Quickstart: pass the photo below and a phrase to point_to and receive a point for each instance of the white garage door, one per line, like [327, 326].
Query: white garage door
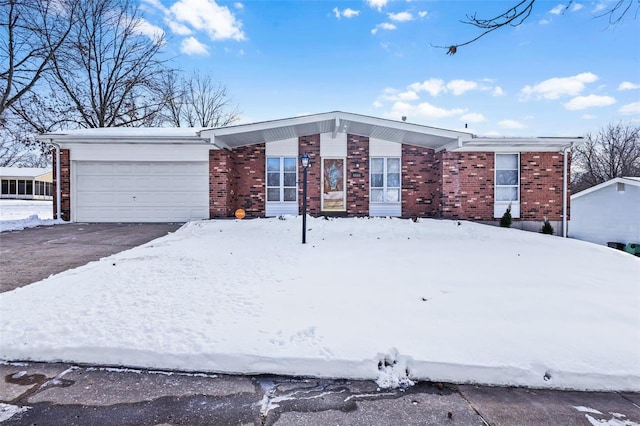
[140, 191]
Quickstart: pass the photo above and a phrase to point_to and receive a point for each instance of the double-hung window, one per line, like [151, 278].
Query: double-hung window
[507, 184]
[282, 173]
[385, 180]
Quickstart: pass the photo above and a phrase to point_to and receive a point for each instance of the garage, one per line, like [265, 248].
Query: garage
[138, 191]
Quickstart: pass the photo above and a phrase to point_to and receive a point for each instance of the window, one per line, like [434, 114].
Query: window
[385, 180]
[507, 178]
[5, 186]
[282, 173]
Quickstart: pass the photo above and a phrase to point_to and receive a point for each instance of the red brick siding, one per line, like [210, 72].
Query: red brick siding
[420, 182]
[249, 191]
[541, 179]
[64, 184]
[220, 172]
[311, 145]
[236, 181]
[466, 185]
[357, 171]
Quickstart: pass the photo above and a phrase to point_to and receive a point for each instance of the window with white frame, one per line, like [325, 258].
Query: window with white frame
[282, 173]
[385, 180]
[507, 178]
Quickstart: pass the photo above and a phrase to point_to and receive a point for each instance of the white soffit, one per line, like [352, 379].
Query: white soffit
[334, 123]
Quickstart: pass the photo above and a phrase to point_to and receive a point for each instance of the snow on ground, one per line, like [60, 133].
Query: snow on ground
[20, 214]
[384, 299]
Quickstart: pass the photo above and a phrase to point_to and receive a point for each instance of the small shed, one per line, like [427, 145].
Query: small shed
[608, 212]
[26, 183]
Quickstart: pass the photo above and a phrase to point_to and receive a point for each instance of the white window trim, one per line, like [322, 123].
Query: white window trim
[501, 206]
[281, 186]
[384, 180]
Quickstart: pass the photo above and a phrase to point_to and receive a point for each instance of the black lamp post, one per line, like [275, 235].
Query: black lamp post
[304, 160]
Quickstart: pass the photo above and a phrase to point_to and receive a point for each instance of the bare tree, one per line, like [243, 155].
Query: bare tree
[520, 12]
[31, 32]
[18, 146]
[613, 152]
[109, 70]
[198, 101]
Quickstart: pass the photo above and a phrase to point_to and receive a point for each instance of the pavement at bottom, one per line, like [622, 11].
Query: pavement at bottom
[66, 394]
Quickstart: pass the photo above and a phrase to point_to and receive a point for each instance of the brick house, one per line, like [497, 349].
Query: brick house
[360, 166]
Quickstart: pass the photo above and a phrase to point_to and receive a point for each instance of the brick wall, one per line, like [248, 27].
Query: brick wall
[220, 172]
[467, 185]
[420, 182]
[311, 145]
[65, 184]
[357, 175]
[236, 181]
[541, 185]
[249, 192]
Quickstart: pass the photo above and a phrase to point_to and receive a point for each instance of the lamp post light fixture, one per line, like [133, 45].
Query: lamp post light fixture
[304, 161]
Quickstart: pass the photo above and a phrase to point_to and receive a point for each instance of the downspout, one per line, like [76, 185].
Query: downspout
[565, 192]
[58, 190]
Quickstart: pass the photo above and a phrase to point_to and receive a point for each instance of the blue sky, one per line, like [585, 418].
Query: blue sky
[564, 72]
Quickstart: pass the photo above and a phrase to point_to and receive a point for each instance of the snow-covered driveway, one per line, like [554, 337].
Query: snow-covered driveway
[386, 299]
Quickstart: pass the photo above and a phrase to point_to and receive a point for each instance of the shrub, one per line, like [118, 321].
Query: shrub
[505, 220]
[546, 227]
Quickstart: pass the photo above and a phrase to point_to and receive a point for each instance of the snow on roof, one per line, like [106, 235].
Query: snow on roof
[635, 181]
[126, 132]
[26, 172]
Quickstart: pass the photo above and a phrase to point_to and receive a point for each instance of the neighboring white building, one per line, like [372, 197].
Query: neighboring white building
[26, 183]
[609, 212]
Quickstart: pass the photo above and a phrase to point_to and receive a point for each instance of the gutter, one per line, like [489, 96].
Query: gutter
[565, 191]
[58, 189]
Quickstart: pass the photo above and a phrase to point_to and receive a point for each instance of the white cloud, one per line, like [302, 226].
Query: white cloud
[497, 91]
[422, 13]
[378, 104]
[206, 15]
[584, 102]
[557, 10]
[383, 26]
[458, 87]
[377, 4]
[400, 17]
[346, 13]
[588, 116]
[576, 7]
[473, 117]
[390, 94]
[191, 46]
[422, 110]
[178, 28]
[599, 7]
[544, 21]
[146, 28]
[627, 85]
[238, 5]
[434, 86]
[630, 109]
[556, 87]
[511, 124]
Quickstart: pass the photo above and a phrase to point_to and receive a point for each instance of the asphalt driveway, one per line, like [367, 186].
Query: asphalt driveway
[33, 254]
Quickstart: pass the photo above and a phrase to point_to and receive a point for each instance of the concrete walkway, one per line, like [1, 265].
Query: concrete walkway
[33, 254]
[64, 394]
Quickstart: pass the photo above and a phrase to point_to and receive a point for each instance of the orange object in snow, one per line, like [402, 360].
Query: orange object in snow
[240, 214]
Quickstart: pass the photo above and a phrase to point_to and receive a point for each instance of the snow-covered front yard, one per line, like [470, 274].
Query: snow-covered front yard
[386, 299]
[20, 214]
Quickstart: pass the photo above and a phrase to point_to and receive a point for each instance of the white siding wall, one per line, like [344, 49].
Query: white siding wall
[283, 148]
[607, 215]
[333, 147]
[380, 148]
[139, 152]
